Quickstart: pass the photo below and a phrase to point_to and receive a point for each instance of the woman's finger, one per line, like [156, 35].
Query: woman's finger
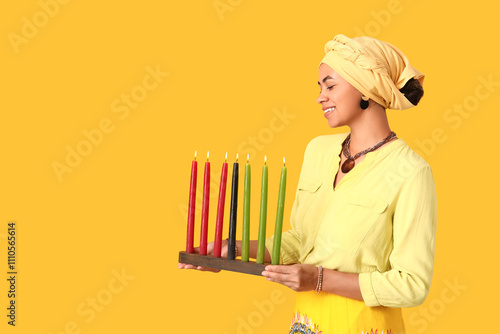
[277, 273]
[279, 268]
[208, 269]
[297, 277]
[210, 248]
[200, 268]
[224, 249]
[283, 279]
[185, 266]
[277, 277]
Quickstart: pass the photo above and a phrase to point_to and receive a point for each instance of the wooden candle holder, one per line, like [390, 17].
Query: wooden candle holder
[251, 268]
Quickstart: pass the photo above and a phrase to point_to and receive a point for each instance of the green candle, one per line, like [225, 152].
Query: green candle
[261, 246]
[245, 241]
[278, 228]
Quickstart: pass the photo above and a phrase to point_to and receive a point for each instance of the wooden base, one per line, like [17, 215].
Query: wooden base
[251, 268]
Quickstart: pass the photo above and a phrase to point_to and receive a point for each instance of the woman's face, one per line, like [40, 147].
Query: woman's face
[339, 99]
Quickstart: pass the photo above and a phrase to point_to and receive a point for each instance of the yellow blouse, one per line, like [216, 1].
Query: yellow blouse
[379, 221]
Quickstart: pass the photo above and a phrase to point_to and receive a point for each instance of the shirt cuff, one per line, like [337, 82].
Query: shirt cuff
[365, 284]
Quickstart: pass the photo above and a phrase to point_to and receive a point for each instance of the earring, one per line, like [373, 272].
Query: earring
[364, 103]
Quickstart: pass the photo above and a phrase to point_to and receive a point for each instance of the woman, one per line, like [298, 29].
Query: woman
[364, 217]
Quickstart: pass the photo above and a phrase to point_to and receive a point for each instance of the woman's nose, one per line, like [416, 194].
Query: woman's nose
[321, 98]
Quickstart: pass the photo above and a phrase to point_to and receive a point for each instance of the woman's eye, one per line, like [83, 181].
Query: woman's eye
[329, 88]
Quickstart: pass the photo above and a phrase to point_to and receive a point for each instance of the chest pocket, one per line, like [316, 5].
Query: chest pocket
[353, 220]
[307, 191]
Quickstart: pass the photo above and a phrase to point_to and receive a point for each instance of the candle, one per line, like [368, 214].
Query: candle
[220, 210]
[279, 217]
[261, 246]
[191, 209]
[245, 241]
[231, 247]
[204, 209]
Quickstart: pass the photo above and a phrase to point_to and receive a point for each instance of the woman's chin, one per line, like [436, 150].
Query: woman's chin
[334, 124]
[333, 120]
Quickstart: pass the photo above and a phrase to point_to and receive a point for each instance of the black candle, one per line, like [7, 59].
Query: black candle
[231, 248]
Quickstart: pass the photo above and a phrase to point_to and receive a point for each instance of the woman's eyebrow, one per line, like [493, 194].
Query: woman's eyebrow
[326, 78]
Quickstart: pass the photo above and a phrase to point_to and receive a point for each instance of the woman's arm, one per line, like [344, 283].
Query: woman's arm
[407, 283]
[342, 284]
[304, 277]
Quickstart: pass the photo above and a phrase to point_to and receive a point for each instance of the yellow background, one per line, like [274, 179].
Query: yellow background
[231, 71]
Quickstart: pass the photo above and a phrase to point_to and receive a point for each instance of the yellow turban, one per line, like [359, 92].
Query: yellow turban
[376, 68]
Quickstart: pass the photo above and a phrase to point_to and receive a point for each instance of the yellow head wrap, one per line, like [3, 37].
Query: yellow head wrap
[376, 68]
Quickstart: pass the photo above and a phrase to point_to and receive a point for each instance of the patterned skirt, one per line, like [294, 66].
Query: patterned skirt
[327, 313]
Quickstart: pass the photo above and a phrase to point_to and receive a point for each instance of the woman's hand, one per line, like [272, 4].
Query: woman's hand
[298, 277]
[210, 251]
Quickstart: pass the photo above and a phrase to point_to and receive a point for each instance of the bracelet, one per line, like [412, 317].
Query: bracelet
[320, 279]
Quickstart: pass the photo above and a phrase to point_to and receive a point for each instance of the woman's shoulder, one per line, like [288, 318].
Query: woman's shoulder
[403, 164]
[407, 155]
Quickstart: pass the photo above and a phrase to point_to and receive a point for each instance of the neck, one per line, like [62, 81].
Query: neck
[370, 129]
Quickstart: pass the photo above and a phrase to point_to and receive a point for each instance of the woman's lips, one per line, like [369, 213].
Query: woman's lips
[329, 111]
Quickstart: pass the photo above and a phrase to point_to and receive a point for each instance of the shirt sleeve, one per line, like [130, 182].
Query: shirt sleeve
[412, 259]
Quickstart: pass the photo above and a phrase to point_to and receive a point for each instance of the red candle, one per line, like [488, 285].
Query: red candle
[220, 210]
[204, 209]
[191, 210]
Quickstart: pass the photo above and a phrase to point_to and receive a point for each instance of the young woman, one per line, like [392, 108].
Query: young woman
[364, 217]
